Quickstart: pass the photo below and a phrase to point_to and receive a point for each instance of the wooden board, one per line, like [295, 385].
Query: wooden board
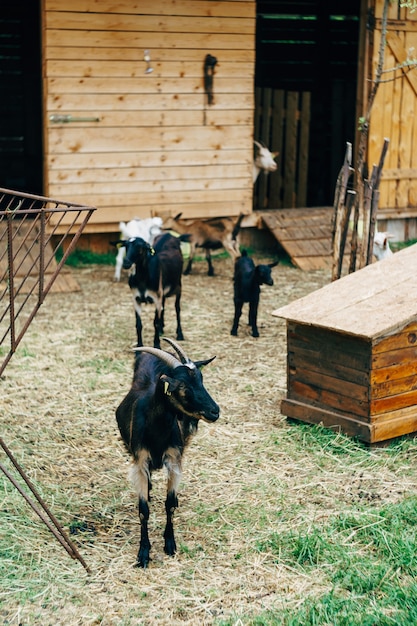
[305, 234]
[373, 302]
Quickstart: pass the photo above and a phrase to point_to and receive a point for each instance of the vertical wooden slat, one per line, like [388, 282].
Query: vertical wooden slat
[277, 143]
[303, 149]
[265, 138]
[290, 149]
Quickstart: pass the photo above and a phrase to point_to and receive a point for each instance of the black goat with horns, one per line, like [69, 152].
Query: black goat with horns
[156, 420]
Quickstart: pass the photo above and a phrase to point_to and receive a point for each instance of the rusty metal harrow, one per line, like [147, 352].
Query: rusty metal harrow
[37, 234]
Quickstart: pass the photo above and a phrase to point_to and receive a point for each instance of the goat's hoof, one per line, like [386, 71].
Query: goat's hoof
[255, 333]
[143, 561]
[170, 547]
[234, 333]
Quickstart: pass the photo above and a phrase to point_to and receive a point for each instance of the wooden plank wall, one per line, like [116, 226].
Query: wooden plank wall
[157, 147]
[282, 122]
[394, 114]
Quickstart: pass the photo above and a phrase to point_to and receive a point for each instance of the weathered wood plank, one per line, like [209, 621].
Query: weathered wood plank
[393, 403]
[397, 387]
[127, 54]
[404, 339]
[114, 22]
[71, 140]
[394, 357]
[150, 40]
[166, 118]
[330, 343]
[385, 430]
[327, 387]
[179, 200]
[180, 186]
[297, 409]
[142, 85]
[129, 68]
[154, 175]
[75, 102]
[301, 359]
[106, 213]
[143, 160]
[393, 372]
[162, 7]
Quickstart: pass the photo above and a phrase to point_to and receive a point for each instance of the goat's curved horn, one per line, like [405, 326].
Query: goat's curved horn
[184, 358]
[166, 357]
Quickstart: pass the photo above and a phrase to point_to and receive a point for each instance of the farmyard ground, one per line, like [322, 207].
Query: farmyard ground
[250, 480]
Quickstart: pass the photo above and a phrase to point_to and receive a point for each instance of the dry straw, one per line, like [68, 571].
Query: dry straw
[245, 477]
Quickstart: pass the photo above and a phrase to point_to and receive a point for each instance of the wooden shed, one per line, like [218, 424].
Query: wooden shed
[82, 118]
[352, 352]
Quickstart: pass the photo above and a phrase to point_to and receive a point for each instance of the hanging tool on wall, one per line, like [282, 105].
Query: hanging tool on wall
[209, 65]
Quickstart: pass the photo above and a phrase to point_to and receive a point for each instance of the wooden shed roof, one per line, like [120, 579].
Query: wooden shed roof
[373, 302]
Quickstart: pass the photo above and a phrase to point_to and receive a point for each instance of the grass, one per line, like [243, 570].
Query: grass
[80, 258]
[279, 523]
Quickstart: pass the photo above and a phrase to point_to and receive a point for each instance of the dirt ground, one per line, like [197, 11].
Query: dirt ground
[60, 392]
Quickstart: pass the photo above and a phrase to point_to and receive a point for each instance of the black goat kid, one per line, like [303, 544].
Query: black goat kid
[156, 276]
[247, 281]
[156, 421]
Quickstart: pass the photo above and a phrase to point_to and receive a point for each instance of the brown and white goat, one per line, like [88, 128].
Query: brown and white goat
[210, 234]
[157, 419]
[264, 160]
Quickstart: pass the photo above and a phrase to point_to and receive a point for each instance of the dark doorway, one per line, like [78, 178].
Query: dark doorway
[21, 97]
[311, 47]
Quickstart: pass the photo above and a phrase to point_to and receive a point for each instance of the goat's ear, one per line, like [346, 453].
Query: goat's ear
[118, 243]
[271, 265]
[201, 364]
[177, 217]
[169, 384]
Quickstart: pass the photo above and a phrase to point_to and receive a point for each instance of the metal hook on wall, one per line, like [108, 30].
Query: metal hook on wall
[147, 58]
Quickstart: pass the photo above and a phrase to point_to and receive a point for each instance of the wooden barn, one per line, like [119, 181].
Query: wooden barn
[352, 352]
[105, 104]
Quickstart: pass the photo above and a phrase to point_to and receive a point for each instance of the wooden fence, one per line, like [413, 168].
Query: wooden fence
[282, 122]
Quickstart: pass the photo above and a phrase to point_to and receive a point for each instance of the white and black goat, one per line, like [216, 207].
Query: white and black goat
[147, 228]
[247, 281]
[156, 421]
[156, 275]
[208, 235]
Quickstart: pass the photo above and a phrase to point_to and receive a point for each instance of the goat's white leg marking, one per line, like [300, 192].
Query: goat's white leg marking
[172, 462]
[119, 263]
[140, 476]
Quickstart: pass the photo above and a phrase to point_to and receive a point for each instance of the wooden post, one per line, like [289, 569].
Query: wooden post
[339, 216]
[374, 210]
[371, 207]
